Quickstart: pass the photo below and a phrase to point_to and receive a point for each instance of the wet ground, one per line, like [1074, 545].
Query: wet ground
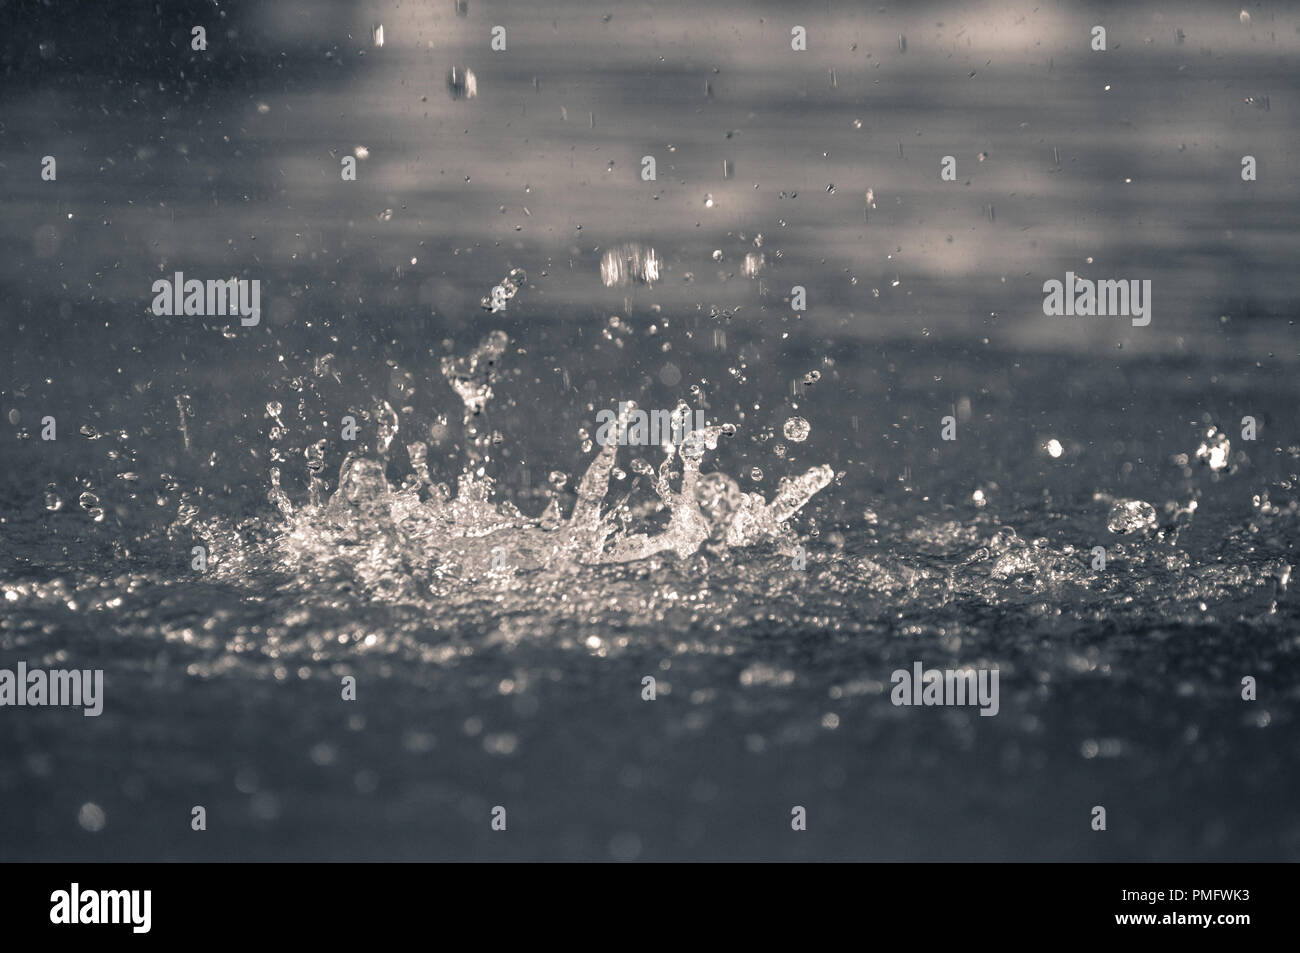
[520, 683]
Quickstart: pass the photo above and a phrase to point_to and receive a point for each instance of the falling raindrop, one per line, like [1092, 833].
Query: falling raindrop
[461, 83]
[628, 263]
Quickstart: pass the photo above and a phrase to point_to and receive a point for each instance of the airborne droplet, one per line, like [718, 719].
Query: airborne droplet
[1131, 516]
[796, 429]
[1214, 449]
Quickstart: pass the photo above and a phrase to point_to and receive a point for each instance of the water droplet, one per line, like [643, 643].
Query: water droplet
[1131, 516]
[693, 445]
[361, 483]
[796, 429]
[681, 417]
[315, 455]
[90, 503]
[1214, 449]
[91, 817]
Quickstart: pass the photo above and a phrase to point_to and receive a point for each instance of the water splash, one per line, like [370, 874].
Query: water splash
[420, 539]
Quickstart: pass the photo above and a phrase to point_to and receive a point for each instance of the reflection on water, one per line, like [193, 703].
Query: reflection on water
[1101, 530]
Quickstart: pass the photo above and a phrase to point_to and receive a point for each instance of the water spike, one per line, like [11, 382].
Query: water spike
[595, 482]
[418, 452]
[388, 425]
[278, 496]
[791, 495]
[371, 518]
[663, 480]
